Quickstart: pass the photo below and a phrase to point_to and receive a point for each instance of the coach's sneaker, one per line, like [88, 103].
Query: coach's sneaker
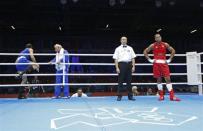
[173, 97]
[56, 97]
[161, 95]
[66, 97]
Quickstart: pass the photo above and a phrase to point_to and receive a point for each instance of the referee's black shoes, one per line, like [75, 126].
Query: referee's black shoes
[119, 98]
[130, 97]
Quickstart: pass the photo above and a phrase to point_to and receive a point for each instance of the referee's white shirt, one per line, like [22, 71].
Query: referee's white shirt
[124, 53]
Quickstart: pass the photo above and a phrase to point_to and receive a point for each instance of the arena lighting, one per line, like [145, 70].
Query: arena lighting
[172, 2]
[13, 27]
[122, 2]
[158, 3]
[112, 2]
[75, 1]
[107, 25]
[159, 30]
[193, 31]
[60, 28]
[63, 2]
[201, 4]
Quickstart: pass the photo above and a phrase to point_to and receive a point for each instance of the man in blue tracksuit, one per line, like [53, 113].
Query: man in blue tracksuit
[61, 57]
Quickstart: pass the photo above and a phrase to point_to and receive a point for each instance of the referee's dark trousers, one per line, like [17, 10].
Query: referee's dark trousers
[125, 76]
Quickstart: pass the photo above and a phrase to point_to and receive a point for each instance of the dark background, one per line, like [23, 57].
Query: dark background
[83, 24]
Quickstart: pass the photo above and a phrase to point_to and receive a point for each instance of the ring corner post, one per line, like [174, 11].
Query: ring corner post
[194, 76]
[199, 66]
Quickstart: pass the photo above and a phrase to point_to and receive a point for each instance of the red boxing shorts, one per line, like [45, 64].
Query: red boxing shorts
[161, 70]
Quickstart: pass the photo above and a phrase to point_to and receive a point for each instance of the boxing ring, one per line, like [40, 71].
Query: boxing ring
[101, 113]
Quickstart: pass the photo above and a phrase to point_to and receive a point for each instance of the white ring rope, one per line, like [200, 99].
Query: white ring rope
[73, 54]
[201, 53]
[85, 84]
[89, 74]
[86, 74]
[100, 64]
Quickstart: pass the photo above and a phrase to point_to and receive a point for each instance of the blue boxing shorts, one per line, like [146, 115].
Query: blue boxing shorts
[22, 67]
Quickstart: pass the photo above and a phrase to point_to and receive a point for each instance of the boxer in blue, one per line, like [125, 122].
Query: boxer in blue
[28, 65]
[61, 57]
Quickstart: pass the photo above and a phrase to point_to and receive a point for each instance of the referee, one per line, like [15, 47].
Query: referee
[124, 57]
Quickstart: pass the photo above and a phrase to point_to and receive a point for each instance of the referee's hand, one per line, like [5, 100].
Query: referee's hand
[118, 70]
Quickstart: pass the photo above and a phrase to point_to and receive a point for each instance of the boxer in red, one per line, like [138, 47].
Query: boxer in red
[160, 65]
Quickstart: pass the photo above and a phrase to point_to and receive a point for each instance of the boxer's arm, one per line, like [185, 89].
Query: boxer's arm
[16, 60]
[35, 66]
[32, 55]
[171, 50]
[146, 51]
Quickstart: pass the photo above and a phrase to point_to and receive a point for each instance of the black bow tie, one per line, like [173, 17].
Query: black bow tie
[124, 46]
